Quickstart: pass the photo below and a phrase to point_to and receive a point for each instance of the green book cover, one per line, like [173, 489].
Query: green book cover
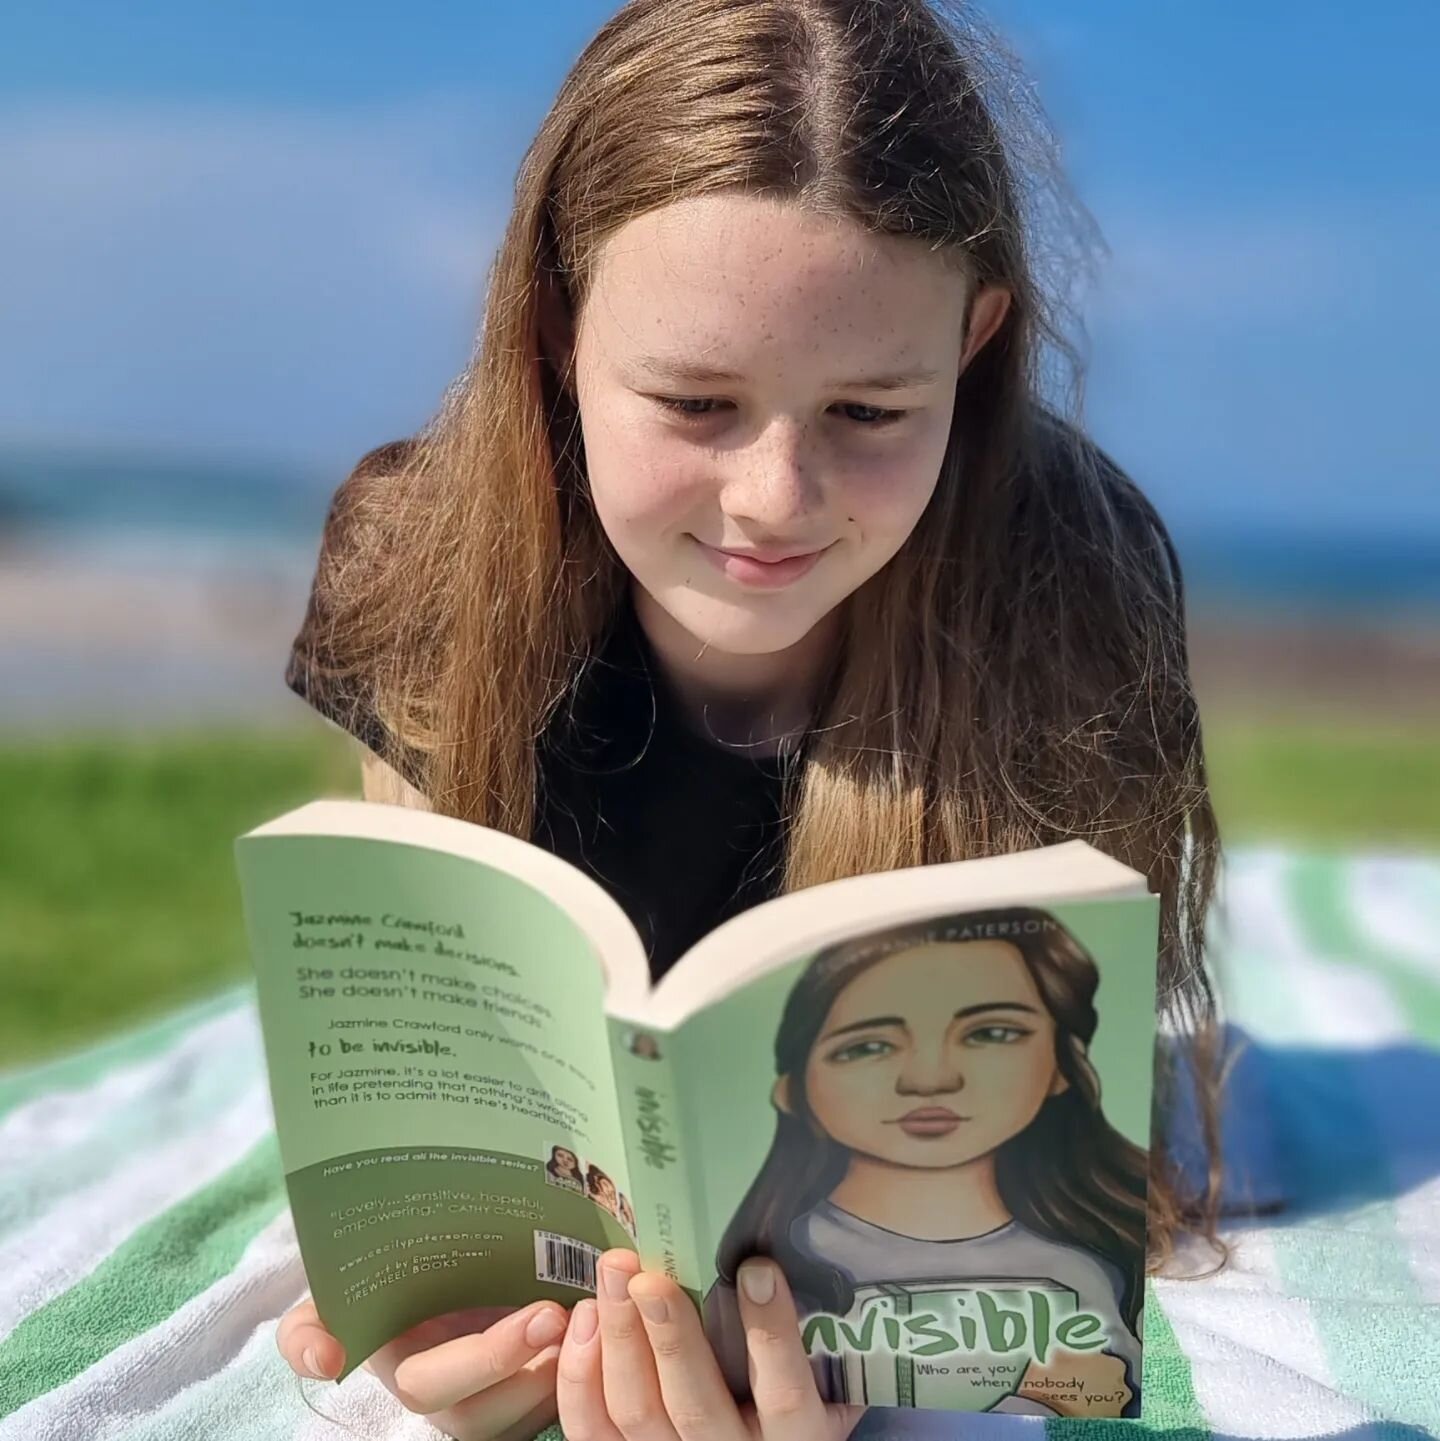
[926, 1093]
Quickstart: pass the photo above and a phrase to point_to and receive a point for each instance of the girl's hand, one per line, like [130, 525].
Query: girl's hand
[636, 1365]
[482, 1374]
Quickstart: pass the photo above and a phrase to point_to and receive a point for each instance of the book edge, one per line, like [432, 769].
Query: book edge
[776, 931]
[589, 905]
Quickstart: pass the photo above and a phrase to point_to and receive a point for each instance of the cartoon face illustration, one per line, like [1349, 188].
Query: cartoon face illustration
[933, 1056]
[939, 1131]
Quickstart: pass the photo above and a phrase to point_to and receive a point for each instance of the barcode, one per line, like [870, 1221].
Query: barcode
[565, 1261]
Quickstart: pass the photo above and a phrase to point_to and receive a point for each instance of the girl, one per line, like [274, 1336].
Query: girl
[626, 1214]
[601, 1189]
[754, 549]
[563, 1169]
[939, 1122]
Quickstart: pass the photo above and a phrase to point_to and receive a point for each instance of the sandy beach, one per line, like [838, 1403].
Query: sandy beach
[1319, 666]
[90, 640]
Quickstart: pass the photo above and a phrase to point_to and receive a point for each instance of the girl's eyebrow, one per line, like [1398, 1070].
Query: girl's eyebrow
[667, 369]
[958, 1016]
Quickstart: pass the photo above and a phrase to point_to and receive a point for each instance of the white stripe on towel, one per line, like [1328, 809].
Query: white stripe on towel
[50, 1256]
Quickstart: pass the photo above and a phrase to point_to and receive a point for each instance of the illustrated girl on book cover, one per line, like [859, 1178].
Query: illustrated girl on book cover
[943, 1178]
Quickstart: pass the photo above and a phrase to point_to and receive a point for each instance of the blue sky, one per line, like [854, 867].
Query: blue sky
[264, 230]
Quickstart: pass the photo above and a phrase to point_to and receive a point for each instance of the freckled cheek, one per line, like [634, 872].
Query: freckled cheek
[884, 499]
[645, 485]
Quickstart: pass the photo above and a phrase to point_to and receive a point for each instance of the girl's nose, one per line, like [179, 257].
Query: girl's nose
[928, 1072]
[774, 483]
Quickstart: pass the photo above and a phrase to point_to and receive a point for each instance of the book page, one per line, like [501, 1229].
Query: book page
[440, 1073]
[940, 1130]
[758, 939]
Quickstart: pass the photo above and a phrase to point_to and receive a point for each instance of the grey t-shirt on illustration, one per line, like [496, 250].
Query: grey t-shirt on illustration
[1012, 1253]
[835, 1237]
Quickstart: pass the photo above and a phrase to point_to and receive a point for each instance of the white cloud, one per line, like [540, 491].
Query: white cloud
[1222, 271]
[306, 283]
[237, 276]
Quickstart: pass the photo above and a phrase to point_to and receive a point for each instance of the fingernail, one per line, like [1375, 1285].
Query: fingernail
[616, 1283]
[311, 1364]
[544, 1327]
[652, 1308]
[583, 1322]
[757, 1280]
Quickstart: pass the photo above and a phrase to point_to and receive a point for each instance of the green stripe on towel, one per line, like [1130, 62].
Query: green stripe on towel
[1356, 1276]
[1171, 1407]
[1331, 930]
[165, 1264]
[85, 1066]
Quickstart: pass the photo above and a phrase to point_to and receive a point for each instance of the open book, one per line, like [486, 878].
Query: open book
[925, 1092]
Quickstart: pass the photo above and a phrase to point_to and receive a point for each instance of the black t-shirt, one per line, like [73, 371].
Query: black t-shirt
[682, 833]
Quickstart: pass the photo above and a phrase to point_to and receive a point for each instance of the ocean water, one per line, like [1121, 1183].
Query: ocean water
[127, 495]
[182, 585]
[134, 510]
[1313, 570]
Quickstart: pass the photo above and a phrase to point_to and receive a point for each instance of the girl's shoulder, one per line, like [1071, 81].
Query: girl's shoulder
[1095, 498]
[362, 487]
[320, 669]
[384, 459]
[355, 505]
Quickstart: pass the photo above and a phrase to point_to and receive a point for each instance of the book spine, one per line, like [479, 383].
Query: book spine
[652, 1123]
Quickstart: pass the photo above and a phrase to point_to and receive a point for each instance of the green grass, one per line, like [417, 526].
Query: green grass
[1326, 785]
[117, 886]
[118, 898]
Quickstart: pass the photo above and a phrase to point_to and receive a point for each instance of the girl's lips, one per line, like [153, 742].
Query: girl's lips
[762, 575]
[930, 1121]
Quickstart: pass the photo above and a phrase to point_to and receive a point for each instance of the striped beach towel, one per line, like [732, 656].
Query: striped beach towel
[147, 1252]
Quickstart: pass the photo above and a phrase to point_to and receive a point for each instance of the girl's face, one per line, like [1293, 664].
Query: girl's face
[755, 379]
[934, 1056]
[566, 1161]
[605, 1191]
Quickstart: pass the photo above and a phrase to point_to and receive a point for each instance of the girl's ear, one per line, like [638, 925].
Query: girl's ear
[1059, 1085]
[557, 328]
[780, 1095]
[987, 311]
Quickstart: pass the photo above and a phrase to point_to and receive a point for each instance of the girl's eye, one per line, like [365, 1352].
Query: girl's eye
[874, 418]
[679, 403]
[878, 416]
[860, 1051]
[997, 1035]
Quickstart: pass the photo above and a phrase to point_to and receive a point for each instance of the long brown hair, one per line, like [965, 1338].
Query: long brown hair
[1069, 1176]
[1015, 675]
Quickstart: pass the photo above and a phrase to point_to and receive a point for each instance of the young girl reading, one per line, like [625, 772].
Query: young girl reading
[939, 1128]
[755, 548]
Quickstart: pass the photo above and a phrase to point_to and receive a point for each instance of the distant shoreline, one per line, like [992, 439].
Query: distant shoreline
[1322, 666]
[91, 645]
